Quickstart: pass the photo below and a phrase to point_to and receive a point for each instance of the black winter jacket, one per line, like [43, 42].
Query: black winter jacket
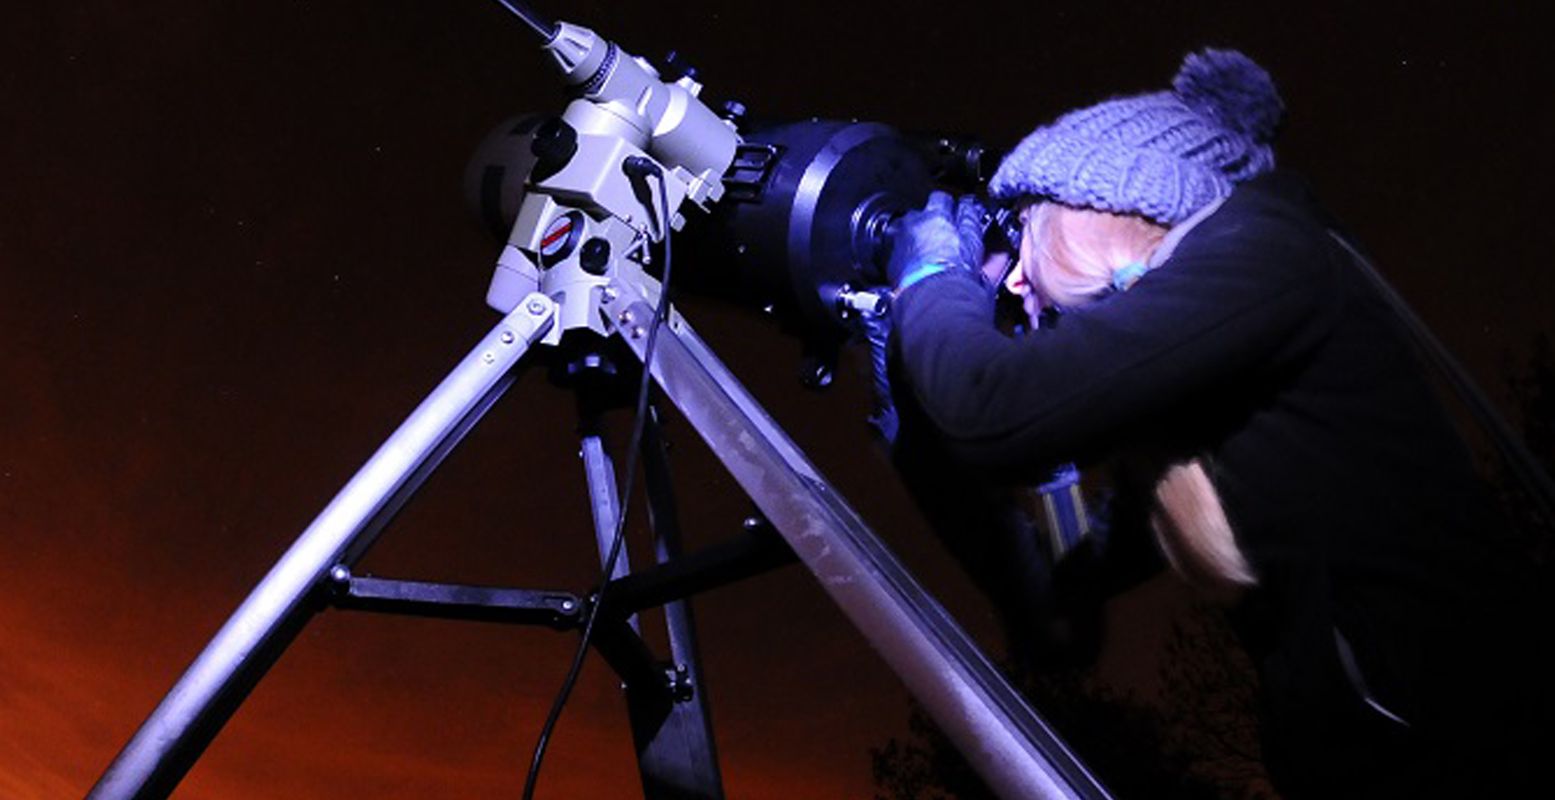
[1259, 347]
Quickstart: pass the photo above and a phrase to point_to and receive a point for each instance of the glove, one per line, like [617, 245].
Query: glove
[925, 242]
[971, 223]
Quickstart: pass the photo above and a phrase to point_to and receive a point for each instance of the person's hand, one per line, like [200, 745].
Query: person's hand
[925, 242]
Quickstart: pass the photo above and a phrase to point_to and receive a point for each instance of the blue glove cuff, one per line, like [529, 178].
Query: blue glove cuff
[919, 273]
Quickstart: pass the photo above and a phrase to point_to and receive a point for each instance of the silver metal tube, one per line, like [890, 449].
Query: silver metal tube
[190, 716]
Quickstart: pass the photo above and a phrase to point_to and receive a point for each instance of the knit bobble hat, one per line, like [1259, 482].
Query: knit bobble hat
[1162, 155]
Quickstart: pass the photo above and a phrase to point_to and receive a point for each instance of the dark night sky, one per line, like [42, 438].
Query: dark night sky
[234, 254]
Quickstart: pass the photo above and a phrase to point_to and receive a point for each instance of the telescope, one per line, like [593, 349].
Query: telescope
[793, 216]
[803, 230]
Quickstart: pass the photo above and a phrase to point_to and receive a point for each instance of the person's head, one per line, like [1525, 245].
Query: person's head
[1108, 180]
[1071, 256]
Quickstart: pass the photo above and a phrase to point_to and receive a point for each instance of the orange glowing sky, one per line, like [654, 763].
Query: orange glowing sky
[233, 255]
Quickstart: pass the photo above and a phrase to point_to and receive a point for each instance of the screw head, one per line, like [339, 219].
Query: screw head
[536, 307]
[507, 337]
[638, 332]
[610, 294]
[489, 357]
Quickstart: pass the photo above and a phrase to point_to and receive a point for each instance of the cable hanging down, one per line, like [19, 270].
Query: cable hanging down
[619, 535]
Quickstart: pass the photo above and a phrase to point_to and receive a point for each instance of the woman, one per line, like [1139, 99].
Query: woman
[1269, 424]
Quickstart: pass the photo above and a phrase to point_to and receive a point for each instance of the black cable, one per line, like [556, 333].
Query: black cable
[619, 537]
[540, 25]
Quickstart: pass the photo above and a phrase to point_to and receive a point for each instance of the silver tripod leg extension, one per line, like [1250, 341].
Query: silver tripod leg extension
[604, 503]
[1015, 752]
[194, 711]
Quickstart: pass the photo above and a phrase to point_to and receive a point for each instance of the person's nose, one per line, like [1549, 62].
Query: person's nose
[1015, 283]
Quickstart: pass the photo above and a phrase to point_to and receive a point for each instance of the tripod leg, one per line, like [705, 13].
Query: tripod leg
[1015, 752]
[674, 743]
[193, 712]
[604, 502]
[675, 750]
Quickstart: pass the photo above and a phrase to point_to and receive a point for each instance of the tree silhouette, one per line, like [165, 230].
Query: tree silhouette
[1532, 387]
[1197, 739]
[1208, 716]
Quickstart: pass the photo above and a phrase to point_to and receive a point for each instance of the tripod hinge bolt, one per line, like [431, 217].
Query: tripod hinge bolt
[340, 574]
[678, 680]
[568, 605]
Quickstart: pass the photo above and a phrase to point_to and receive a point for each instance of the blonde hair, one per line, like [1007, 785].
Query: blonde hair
[1073, 252]
[1192, 529]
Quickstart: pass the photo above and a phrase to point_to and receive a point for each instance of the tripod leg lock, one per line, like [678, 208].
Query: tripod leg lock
[678, 680]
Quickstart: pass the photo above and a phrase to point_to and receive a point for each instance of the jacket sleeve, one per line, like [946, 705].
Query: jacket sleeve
[1243, 293]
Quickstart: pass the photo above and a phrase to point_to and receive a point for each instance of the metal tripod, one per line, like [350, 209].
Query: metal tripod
[1014, 751]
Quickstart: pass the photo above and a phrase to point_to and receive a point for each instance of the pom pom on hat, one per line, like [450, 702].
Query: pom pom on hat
[1162, 155]
[1231, 89]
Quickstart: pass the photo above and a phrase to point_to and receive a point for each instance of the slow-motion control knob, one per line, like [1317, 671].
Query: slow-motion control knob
[594, 257]
[554, 144]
